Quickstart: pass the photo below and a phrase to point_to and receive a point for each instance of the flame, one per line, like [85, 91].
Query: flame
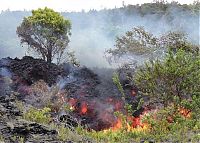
[84, 108]
[131, 124]
[135, 125]
[136, 122]
[118, 125]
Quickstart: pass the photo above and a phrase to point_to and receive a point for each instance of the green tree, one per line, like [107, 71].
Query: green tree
[46, 32]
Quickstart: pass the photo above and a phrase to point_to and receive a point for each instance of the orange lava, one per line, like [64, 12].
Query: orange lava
[84, 108]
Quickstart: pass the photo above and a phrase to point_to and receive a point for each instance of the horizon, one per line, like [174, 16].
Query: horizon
[72, 5]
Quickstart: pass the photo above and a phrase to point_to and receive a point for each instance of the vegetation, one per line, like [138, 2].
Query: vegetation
[178, 75]
[46, 32]
[43, 116]
[38, 115]
[140, 42]
[179, 117]
[170, 80]
[137, 41]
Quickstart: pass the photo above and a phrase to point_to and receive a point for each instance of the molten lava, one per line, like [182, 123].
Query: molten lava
[84, 108]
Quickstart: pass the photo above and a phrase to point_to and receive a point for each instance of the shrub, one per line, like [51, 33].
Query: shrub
[178, 75]
[38, 115]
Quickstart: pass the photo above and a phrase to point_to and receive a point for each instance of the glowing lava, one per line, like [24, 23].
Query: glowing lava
[84, 108]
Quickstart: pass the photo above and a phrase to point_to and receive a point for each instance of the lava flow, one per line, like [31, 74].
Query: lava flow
[84, 108]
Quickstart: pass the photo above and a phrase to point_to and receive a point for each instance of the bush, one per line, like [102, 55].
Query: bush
[38, 115]
[178, 75]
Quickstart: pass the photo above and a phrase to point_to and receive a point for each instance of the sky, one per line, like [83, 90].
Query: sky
[70, 5]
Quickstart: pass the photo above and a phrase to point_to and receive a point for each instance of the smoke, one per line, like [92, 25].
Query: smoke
[5, 72]
[95, 31]
[5, 81]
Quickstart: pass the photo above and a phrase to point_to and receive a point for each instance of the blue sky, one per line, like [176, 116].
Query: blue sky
[70, 5]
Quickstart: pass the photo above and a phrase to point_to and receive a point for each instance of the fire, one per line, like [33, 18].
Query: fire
[130, 124]
[118, 125]
[136, 122]
[185, 112]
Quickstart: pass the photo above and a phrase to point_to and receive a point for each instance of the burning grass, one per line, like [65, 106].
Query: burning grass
[154, 130]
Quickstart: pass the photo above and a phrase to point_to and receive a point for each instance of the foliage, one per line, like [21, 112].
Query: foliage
[169, 124]
[116, 81]
[139, 42]
[193, 105]
[177, 75]
[18, 139]
[175, 40]
[65, 134]
[38, 115]
[69, 57]
[46, 32]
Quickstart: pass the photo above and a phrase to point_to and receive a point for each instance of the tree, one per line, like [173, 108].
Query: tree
[136, 42]
[139, 42]
[46, 32]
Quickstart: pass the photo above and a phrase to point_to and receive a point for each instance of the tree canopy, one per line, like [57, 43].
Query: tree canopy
[46, 32]
[140, 42]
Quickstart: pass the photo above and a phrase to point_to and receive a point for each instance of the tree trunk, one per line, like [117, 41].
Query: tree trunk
[49, 56]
